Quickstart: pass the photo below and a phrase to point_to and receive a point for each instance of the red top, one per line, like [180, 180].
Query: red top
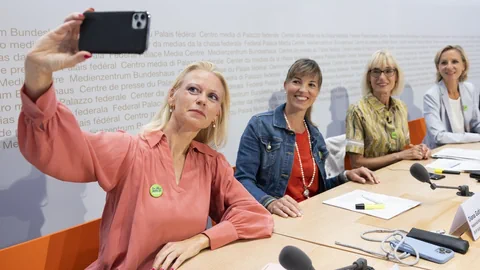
[295, 184]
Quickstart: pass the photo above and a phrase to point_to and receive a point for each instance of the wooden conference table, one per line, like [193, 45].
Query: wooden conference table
[323, 224]
[255, 255]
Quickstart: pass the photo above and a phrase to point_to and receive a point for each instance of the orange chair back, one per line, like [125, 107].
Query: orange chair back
[418, 130]
[70, 249]
[347, 164]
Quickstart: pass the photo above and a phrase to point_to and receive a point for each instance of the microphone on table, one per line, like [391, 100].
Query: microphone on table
[292, 258]
[359, 264]
[421, 174]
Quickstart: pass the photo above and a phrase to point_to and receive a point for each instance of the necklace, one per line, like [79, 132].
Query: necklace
[306, 192]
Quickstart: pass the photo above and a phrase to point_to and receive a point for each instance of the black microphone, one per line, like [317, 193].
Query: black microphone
[421, 174]
[292, 258]
[359, 264]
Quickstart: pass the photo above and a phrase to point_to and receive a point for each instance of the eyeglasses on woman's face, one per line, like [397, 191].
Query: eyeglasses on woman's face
[376, 72]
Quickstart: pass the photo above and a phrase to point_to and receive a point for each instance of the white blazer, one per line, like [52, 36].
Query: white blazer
[437, 113]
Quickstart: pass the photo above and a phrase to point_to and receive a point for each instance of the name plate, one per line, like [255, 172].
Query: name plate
[468, 213]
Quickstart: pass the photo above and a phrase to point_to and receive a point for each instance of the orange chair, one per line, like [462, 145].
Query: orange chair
[418, 130]
[347, 164]
[70, 249]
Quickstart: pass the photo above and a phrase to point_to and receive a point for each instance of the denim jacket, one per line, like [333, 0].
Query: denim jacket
[266, 152]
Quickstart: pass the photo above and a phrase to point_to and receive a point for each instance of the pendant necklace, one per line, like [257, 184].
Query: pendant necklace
[306, 192]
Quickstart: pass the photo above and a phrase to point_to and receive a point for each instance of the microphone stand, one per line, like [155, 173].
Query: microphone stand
[359, 264]
[463, 190]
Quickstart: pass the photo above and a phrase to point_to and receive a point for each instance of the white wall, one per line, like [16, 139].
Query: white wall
[254, 42]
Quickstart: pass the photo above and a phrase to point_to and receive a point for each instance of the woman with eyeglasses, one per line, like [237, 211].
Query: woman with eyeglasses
[451, 105]
[377, 126]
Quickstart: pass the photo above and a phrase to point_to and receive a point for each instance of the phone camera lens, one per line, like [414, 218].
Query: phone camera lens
[139, 24]
[135, 16]
[142, 17]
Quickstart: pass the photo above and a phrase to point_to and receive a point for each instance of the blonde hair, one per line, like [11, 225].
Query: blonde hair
[466, 63]
[382, 58]
[305, 67]
[209, 135]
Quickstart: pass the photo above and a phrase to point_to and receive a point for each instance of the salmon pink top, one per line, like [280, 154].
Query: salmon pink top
[136, 225]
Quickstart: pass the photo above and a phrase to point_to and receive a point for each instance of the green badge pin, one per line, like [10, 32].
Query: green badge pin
[156, 190]
[394, 135]
[465, 107]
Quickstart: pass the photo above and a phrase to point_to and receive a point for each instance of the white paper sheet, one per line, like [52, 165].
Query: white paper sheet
[395, 267]
[456, 153]
[393, 205]
[455, 165]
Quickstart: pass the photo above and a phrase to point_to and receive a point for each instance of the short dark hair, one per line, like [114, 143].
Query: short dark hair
[305, 67]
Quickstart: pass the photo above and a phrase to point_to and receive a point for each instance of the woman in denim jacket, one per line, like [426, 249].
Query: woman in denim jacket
[281, 157]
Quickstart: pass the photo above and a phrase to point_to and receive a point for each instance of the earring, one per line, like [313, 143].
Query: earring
[213, 124]
[171, 109]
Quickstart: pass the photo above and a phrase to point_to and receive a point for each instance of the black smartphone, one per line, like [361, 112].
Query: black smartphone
[434, 176]
[475, 175]
[115, 32]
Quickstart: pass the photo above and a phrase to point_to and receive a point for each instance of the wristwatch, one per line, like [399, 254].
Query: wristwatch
[344, 176]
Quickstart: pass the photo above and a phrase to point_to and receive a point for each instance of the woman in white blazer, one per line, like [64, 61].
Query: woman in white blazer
[451, 106]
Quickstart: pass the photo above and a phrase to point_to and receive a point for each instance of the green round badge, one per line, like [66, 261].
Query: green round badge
[156, 190]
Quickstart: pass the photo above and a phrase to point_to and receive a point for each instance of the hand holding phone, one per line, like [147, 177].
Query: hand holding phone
[115, 32]
[54, 51]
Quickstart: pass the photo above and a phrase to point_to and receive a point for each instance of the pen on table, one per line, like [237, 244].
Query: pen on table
[372, 200]
[365, 206]
[446, 171]
[455, 165]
